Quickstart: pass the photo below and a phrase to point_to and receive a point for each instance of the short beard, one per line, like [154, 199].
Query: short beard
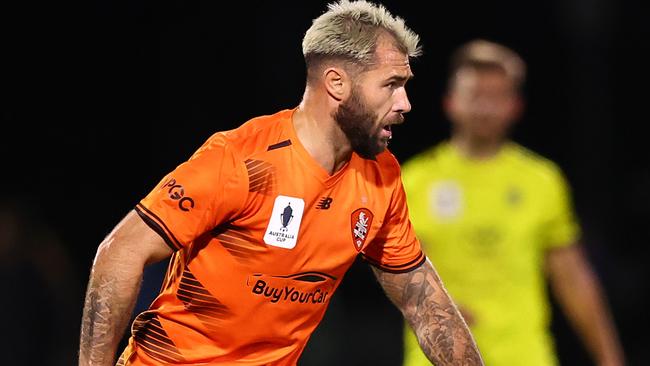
[358, 125]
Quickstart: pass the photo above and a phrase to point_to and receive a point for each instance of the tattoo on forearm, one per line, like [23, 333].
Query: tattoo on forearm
[443, 335]
[102, 316]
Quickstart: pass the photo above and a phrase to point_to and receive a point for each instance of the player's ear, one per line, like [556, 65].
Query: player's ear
[337, 83]
[517, 108]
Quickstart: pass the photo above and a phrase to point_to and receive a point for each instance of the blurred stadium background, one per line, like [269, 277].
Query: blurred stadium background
[102, 98]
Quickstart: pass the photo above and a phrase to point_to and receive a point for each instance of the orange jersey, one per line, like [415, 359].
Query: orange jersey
[262, 237]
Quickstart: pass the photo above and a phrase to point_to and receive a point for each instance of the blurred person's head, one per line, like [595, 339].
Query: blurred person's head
[483, 97]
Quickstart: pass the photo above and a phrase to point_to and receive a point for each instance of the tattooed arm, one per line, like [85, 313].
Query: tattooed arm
[113, 287]
[421, 297]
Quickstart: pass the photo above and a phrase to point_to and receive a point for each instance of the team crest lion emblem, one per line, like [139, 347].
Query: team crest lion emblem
[360, 223]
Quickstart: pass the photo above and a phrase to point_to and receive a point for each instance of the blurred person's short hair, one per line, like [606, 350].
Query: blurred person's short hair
[481, 54]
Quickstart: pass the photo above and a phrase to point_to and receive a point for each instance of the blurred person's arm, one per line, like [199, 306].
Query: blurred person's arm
[579, 293]
[114, 285]
[422, 298]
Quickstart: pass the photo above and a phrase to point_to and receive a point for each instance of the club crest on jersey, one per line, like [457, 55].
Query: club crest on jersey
[360, 222]
[446, 200]
[284, 223]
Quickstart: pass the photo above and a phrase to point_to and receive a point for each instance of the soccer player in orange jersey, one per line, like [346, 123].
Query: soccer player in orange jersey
[263, 221]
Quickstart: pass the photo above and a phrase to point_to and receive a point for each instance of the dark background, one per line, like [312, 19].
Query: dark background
[102, 98]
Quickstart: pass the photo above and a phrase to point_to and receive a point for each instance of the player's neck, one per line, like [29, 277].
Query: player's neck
[321, 137]
[475, 148]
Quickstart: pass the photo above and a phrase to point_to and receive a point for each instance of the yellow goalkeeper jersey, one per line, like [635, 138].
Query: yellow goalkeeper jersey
[485, 225]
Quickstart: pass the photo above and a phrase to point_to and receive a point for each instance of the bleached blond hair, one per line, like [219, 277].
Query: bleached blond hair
[348, 32]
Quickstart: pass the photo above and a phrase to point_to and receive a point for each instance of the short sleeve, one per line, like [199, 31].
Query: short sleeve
[560, 225]
[396, 248]
[201, 193]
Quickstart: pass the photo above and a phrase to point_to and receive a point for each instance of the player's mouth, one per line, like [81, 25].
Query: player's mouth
[386, 132]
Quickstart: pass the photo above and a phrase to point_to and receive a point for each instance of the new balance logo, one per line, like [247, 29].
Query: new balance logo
[324, 203]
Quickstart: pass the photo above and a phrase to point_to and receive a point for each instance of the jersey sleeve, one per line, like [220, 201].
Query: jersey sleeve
[560, 225]
[198, 195]
[396, 248]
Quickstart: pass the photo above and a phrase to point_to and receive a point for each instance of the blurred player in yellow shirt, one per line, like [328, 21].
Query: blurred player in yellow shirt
[497, 220]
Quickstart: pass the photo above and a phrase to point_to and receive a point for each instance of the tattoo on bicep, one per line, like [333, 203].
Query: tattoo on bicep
[392, 285]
